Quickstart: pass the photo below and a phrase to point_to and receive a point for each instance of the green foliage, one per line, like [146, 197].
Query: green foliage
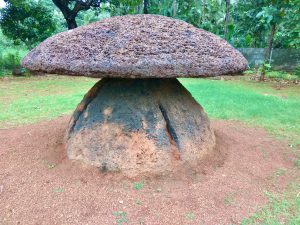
[208, 14]
[28, 22]
[249, 24]
[288, 34]
[253, 20]
[9, 56]
[275, 74]
[11, 61]
[124, 7]
[92, 15]
[297, 71]
[71, 8]
[249, 72]
[281, 75]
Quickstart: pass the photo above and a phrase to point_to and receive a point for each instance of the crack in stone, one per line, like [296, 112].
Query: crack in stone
[171, 133]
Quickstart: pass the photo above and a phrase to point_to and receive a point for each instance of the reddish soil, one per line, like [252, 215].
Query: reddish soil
[39, 185]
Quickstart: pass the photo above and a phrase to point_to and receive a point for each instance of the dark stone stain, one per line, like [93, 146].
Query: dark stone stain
[188, 33]
[141, 105]
[104, 168]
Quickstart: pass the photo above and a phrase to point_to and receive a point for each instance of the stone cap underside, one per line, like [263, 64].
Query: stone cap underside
[139, 46]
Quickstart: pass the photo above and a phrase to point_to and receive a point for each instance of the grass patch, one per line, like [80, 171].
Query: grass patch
[190, 216]
[297, 163]
[138, 185]
[29, 100]
[282, 75]
[121, 217]
[59, 190]
[228, 199]
[282, 209]
[255, 104]
[278, 75]
[50, 165]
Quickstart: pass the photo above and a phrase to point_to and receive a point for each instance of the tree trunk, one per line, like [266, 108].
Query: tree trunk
[203, 10]
[174, 7]
[69, 13]
[227, 19]
[267, 53]
[71, 21]
[270, 43]
[139, 8]
[145, 6]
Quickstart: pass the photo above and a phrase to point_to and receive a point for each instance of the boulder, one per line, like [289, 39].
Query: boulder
[139, 126]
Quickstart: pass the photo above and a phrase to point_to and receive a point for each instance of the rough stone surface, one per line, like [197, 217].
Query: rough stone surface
[140, 46]
[139, 126]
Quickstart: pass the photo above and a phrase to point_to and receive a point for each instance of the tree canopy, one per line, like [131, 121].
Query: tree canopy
[28, 22]
[244, 23]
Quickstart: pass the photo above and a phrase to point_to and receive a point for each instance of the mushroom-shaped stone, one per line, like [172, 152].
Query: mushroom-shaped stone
[137, 125]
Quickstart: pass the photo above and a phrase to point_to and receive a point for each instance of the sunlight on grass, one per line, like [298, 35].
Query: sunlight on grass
[239, 101]
[28, 100]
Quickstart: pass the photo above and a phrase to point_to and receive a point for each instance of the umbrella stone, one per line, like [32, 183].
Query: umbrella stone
[138, 118]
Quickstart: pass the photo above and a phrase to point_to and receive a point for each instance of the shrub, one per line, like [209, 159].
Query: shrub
[9, 62]
[282, 75]
[297, 72]
[12, 61]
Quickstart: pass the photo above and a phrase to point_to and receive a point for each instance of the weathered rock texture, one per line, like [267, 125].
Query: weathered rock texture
[139, 126]
[140, 46]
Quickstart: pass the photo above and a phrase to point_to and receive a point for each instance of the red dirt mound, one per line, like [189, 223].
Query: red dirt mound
[39, 185]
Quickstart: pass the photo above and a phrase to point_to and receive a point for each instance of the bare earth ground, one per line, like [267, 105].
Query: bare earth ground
[39, 185]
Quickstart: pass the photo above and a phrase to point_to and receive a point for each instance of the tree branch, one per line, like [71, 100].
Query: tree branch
[63, 6]
[71, 13]
[81, 5]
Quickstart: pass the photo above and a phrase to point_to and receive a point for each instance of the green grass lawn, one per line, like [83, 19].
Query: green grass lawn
[257, 104]
[28, 100]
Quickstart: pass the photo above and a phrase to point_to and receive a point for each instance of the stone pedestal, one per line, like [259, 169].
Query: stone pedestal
[137, 126]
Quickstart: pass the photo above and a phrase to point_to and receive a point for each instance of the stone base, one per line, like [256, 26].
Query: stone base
[137, 126]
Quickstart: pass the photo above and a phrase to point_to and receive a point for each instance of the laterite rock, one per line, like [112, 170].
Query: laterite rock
[138, 119]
